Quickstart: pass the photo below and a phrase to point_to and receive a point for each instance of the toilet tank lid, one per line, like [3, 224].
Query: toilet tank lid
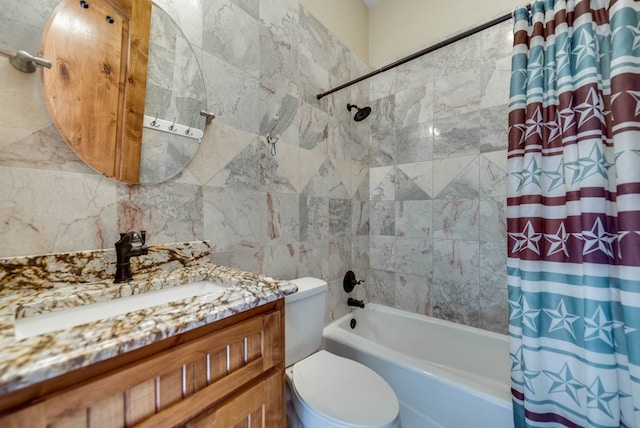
[307, 287]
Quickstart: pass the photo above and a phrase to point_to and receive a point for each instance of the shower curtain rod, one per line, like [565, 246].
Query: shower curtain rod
[422, 52]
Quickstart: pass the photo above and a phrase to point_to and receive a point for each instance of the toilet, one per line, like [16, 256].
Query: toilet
[323, 389]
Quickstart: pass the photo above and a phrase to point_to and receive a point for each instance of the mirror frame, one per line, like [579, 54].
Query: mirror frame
[131, 88]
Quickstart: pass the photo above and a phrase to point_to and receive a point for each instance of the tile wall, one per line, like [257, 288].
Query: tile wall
[437, 182]
[411, 199]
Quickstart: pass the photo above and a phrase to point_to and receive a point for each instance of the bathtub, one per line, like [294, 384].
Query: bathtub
[444, 374]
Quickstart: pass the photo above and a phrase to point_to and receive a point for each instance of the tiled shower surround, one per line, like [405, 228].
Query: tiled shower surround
[410, 199]
[437, 182]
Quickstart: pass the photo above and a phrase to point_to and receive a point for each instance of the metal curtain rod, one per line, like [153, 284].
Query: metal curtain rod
[422, 52]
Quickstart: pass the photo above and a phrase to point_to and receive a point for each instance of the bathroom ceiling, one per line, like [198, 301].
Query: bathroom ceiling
[370, 3]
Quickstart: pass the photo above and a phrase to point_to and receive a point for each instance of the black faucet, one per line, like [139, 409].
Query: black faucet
[131, 244]
[355, 302]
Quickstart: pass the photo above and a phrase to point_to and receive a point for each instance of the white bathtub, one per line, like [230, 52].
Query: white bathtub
[444, 374]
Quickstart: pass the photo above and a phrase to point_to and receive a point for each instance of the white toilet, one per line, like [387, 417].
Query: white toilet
[323, 389]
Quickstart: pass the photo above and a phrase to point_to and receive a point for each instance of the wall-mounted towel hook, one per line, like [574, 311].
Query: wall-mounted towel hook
[209, 116]
[26, 62]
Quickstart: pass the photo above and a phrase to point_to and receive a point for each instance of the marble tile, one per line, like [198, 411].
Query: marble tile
[360, 254]
[238, 219]
[223, 21]
[360, 182]
[360, 218]
[383, 84]
[493, 219]
[493, 287]
[414, 219]
[414, 181]
[413, 256]
[339, 258]
[279, 173]
[250, 260]
[340, 217]
[493, 175]
[458, 92]
[381, 286]
[493, 134]
[281, 17]
[381, 253]
[252, 7]
[243, 171]
[456, 260]
[22, 23]
[232, 94]
[313, 259]
[464, 184]
[43, 149]
[314, 218]
[187, 16]
[413, 293]
[458, 218]
[456, 302]
[168, 212]
[456, 135]
[382, 218]
[414, 106]
[283, 220]
[313, 128]
[23, 111]
[382, 183]
[86, 220]
[279, 71]
[416, 73]
[281, 261]
[314, 79]
[414, 143]
[382, 132]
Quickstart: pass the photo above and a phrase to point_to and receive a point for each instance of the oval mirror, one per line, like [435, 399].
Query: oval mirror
[125, 90]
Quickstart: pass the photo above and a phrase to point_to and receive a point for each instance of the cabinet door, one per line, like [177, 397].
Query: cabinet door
[260, 406]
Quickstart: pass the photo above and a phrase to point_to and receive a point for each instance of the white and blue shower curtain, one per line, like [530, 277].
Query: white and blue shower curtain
[573, 212]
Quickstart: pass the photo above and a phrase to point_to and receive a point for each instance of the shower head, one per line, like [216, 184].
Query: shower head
[361, 114]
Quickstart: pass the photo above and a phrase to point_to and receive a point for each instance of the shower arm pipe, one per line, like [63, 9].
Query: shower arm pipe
[422, 52]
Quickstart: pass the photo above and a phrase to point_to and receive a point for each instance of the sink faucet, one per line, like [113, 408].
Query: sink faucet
[131, 244]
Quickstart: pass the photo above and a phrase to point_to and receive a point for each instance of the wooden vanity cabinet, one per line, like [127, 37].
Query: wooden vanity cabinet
[226, 374]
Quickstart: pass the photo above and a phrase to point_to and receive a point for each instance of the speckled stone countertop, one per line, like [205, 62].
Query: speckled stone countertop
[33, 285]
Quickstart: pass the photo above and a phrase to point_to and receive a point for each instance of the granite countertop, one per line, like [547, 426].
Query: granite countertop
[28, 361]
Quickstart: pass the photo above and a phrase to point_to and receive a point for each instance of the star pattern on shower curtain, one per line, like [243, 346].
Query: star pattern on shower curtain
[573, 214]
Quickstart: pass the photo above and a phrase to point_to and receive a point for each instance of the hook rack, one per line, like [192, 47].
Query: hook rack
[172, 127]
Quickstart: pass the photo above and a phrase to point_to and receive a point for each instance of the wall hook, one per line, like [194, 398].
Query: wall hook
[173, 125]
[209, 116]
[155, 122]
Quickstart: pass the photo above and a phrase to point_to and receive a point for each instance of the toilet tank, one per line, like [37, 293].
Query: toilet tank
[304, 318]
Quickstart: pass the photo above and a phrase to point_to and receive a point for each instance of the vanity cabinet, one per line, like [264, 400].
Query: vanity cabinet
[226, 374]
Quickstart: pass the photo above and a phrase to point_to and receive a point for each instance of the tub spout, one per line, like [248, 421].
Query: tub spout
[355, 302]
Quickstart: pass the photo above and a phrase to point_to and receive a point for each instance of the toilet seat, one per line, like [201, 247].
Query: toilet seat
[343, 392]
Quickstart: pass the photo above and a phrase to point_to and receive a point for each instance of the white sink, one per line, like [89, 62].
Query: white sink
[64, 319]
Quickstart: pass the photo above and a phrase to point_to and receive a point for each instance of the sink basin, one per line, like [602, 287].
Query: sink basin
[64, 319]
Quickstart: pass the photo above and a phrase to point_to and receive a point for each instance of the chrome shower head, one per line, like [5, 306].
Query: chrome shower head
[361, 114]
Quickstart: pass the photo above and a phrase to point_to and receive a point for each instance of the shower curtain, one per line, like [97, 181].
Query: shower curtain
[573, 214]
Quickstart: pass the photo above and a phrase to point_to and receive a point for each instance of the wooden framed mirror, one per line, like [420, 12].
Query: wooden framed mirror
[115, 64]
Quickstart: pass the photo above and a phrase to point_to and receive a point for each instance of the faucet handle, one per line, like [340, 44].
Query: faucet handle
[143, 233]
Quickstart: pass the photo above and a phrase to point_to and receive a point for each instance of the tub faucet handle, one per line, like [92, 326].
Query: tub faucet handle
[350, 282]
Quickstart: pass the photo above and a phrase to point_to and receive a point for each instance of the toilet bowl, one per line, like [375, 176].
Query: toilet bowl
[323, 389]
